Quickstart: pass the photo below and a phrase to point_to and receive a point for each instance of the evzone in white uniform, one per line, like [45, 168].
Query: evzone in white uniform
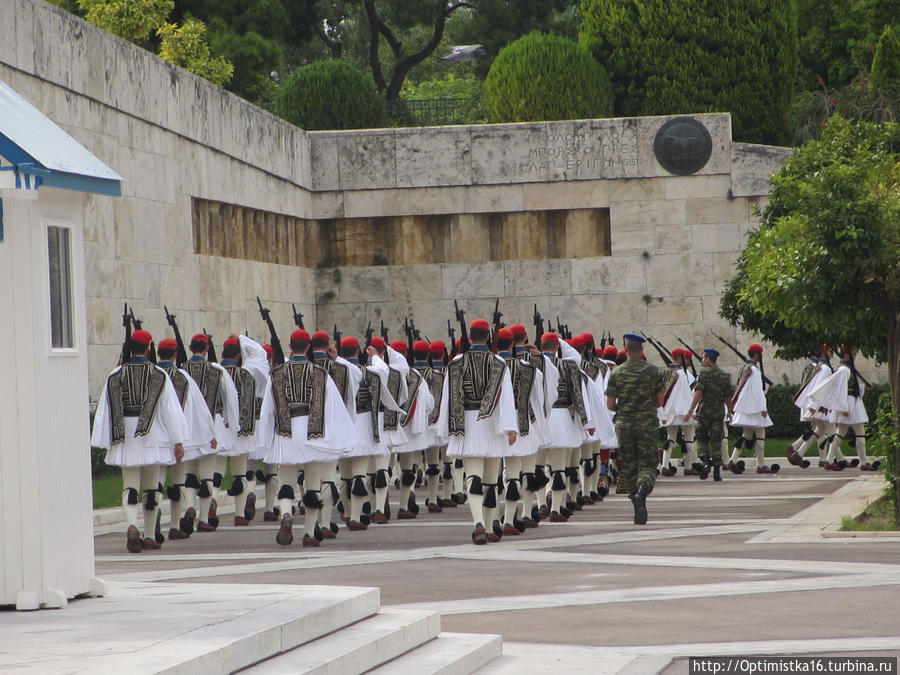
[221, 399]
[435, 454]
[368, 387]
[392, 434]
[751, 414]
[265, 474]
[304, 423]
[528, 397]
[420, 432]
[608, 357]
[841, 393]
[678, 399]
[821, 430]
[140, 423]
[479, 418]
[200, 434]
[249, 375]
[568, 420]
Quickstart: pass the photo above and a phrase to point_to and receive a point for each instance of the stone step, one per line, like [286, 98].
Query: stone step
[448, 654]
[230, 638]
[360, 647]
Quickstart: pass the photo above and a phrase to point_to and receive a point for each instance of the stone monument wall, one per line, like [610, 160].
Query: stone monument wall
[223, 202]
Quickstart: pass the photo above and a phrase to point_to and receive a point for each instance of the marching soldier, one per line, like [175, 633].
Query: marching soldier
[304, 424]
[821, 429]
[200, 434]
[635, 392]
[479, 417]
[419, 429]
[677, 400]
[750, 413]
[140, 423]
[712, 396]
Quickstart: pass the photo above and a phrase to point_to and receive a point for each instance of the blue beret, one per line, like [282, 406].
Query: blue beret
[711, 352]
[631, 337]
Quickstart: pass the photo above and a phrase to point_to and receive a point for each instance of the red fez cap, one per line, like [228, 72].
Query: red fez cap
[505, 334]
[232, 340]
[755, 347]
[399, 345]
[349, 341]
[598, 351]
[142, 336]
[199, 337]
[299, 334]
[167, 343]
[678, 351]
[621, 352]
[480, 323]
[587, 337]
[458, 343]
[378, 343]
[437, 347]
[269, 351]
[518, 330]
[577, 341]
[610, 350]
[551, 336]
[321, 335]
[421, 346]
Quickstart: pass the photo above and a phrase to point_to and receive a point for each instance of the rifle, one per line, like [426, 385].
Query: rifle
[181, 353]
[498, 315]
[463, 331]
[125, 356]
[857, 373]
[743, 358]
[384, 332]
[663, 352]
[277, 351]
[603, 340]
[369, 332]
[298, 317]
[337, 337]
[211, 354]
[451, 331]
[139, 325]
[692, 351]
[408, 329]
[538, 326]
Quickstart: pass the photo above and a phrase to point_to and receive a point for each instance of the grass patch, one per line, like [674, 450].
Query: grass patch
[878, 516]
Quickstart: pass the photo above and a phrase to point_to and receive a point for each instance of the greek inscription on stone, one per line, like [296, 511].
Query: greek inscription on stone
[612, 150]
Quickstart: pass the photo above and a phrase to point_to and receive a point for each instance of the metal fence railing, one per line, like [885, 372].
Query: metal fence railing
[428, 111]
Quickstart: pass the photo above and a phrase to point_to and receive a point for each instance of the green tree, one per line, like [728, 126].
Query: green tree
[186, 46]
[495, 23]
[546, 77]
[824, 264]
[886, 64]
[330, 95]
[688, 56]
[133, 20]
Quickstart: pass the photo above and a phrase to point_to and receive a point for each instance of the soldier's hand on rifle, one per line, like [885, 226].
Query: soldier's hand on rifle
[332, 351]
[213, 443]
[179, 452]
[591, 431]
[371, 351]
[512, 437]
[764, 413]
[533, 349]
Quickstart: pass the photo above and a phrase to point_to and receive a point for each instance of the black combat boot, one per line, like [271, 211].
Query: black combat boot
[717, 472]
[640, 504]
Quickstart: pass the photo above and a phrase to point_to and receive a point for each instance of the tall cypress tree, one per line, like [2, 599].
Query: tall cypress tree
[690, 56]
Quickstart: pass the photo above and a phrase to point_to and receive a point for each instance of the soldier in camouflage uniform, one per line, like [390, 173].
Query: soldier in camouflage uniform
[712, 390]
[634, 391]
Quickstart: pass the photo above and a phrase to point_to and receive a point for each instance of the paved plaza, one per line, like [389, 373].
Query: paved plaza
[753, 565]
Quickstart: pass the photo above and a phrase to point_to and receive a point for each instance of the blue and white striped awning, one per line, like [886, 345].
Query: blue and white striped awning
[37, 152]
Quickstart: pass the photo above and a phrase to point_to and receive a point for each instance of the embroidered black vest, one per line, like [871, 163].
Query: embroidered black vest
[299, 389]
[179, 381]
[475, 381]
[392, 417]
[522, 375]
[246, 391]
[134, 391]
[209, 379]
[368, 398]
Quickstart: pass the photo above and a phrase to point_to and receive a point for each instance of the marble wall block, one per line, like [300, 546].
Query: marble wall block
[367, 160]
[473, 280]
[699, 211]
[442, 156]
[680, 274]
[751, 166]
[537, 277]
[420, 282]
[615, 274]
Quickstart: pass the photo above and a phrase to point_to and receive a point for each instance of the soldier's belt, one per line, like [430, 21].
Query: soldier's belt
[131, 411]
[471, 405]
[299, 409]
[363, 409]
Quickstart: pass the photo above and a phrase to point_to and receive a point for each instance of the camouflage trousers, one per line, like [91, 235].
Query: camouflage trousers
[709, 439]
[638, 450]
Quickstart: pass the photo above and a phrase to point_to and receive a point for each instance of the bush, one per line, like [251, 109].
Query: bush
[785, 415]
[683, 56]
[330, 95]
[886, 64]
[546, 77]
[883, 441]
